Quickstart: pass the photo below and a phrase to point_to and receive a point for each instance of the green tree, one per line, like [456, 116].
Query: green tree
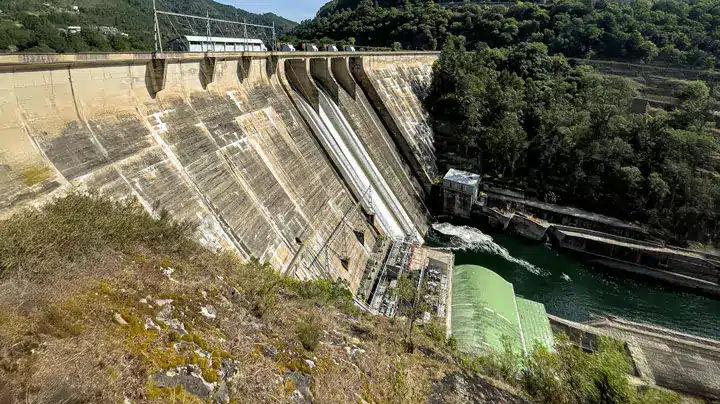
[411, 305]
[565, 131]
[671, 31]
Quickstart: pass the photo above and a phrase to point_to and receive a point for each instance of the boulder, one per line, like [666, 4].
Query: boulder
[188, 377]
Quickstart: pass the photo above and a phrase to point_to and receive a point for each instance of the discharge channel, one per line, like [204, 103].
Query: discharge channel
[573, 289]
[348, 153]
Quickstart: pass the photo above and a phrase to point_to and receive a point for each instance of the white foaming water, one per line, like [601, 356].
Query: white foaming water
[470, 238]
[351, 157]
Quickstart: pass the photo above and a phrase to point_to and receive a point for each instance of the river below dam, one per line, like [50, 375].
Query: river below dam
[572, 289]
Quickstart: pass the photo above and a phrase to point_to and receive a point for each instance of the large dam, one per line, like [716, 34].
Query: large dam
[301, 160]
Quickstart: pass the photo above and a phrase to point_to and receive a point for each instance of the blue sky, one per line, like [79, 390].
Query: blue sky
[295, 10]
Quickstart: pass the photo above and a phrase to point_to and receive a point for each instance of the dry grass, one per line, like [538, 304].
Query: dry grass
[78, 226]
[72, 266]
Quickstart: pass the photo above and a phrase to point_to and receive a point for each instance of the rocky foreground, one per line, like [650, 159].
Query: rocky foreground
[100, 302]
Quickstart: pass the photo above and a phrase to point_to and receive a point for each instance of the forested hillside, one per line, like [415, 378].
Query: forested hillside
[518, 110]
[568, 134]
[117, 25]
[669, 31]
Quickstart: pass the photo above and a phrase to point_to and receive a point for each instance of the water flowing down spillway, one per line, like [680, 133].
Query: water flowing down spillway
[345, 148]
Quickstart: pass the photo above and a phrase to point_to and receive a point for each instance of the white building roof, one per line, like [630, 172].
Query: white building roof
[197, 38]
[462, 177]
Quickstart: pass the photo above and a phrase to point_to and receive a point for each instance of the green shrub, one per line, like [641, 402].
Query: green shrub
[435, 329]
[452, 344]
[570, 375]
[259, 286]
[323, 291]
[658, 396]
[503, 365]
[308, 332]
[540, 377]
[79, 225]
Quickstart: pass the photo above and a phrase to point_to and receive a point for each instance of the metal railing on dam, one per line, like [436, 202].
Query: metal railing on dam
[75, 59]
[221, 139]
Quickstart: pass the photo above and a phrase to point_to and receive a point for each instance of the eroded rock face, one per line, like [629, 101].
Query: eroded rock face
[119, 319]
[208, 312]
[302, 382]
[467, 388]
[177, 326]
[150, 325]
[228, 369]
[221, 394]
[166, 316]
[192, 382]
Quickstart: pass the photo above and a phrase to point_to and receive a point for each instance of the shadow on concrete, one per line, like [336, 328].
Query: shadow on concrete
[149, 84]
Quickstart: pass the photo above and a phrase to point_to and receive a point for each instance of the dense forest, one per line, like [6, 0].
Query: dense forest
[118, 25]
[668, 31]
[566, 132]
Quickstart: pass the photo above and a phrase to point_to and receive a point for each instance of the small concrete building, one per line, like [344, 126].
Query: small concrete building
[460, 191]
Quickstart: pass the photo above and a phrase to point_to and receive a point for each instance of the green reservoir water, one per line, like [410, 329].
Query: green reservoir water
[572, 289]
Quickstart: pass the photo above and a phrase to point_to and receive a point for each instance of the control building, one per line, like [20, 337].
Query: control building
[191, 43]
[460, 192]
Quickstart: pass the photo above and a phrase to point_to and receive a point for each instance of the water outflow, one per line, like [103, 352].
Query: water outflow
[470, 238]
[341, 141]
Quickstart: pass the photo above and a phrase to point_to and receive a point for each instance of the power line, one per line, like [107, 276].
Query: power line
[213, 19]
[265, 29]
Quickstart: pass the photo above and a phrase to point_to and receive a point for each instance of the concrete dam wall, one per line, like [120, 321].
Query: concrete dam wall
[300, 160]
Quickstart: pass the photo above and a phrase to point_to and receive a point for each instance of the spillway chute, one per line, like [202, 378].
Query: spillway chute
[355, 165]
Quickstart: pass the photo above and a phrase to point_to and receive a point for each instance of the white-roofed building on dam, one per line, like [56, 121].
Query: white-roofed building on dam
[196, 43]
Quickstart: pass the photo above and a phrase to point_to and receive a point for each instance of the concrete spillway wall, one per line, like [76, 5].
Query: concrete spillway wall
[218, 140]
[396, 86]
[335, 76]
